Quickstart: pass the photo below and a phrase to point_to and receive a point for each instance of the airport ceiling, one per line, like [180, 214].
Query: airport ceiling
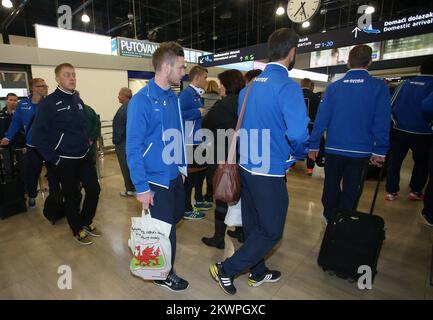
[211, 25]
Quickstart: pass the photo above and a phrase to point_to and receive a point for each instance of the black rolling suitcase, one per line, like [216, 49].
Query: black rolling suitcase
[54, 207]
[353, 239]
[12, 190]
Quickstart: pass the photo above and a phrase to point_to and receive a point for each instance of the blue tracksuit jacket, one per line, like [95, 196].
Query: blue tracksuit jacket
[355, 113]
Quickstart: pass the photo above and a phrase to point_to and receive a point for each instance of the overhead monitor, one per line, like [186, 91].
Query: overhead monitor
[13, 82]
[419, 45]
[338, 56]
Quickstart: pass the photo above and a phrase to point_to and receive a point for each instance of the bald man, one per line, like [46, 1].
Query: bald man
[119, 140]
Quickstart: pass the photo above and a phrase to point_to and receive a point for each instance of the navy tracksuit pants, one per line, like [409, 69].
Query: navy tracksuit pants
[264, 209]
[33, 167]
[336, 195]
[74, 174]
[401, 142]
[169, 207]
[428, 197]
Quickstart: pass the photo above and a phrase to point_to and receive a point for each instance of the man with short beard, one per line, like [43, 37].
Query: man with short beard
[275, 105]
[158, 181]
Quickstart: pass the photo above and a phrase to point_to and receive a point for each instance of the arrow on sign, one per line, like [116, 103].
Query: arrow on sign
[356, 30]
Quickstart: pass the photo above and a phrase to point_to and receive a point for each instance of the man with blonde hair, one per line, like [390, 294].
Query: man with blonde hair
[119, 139]
[159, 181]
[192, 104]
[60, 135]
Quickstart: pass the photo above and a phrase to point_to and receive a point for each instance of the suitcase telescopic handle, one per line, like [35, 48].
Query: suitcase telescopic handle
[379, 180]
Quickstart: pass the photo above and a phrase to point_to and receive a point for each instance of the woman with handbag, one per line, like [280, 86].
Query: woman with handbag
[223, 115]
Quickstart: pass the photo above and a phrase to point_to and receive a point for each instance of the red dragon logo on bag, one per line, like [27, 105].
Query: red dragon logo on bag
[147, 257]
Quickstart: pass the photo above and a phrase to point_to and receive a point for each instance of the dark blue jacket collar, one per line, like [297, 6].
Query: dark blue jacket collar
[64, 91]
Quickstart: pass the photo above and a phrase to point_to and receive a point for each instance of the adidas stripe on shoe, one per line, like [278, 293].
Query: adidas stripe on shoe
[225, 282]
[267, 276]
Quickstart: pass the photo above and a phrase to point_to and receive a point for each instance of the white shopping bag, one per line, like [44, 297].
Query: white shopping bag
[150, 246]
[234, 215]
[319, 172]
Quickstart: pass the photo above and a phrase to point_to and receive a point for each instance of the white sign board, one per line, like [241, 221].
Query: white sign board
[69, 40]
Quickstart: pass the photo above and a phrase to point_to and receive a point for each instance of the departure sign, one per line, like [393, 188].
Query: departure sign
[234, 56]
[386, 30]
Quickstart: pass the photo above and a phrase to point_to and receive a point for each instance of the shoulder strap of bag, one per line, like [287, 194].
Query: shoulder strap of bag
[393, 98]
[231, 156]
[396, 92]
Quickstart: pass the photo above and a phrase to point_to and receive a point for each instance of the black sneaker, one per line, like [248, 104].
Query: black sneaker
[91, 231]
[237, 234]
[82, 238]
[267, 276]
[225, 282]
[173, 282]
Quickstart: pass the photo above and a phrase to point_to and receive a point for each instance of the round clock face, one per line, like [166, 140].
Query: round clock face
[302, 10]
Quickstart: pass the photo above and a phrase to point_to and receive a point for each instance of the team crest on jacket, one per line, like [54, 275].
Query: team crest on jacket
[80, 106]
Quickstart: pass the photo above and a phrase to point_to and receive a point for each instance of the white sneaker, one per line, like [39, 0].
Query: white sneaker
[325, 221]
[127, 194]
[391, 196]
[426, 221]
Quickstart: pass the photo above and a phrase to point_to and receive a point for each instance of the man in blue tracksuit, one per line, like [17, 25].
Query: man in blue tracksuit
[24, 120]
[355, 113]
[427, 212]
[155, 147]
[60, 136]
[410, 131]
[191, 105]
[275, 126]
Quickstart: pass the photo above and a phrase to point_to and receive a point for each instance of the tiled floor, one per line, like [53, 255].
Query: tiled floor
[31, 251]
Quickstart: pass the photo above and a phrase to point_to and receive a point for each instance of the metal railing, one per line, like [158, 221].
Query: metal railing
[105, 144]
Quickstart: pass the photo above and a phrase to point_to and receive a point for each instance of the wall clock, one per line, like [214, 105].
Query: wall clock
[302, 10]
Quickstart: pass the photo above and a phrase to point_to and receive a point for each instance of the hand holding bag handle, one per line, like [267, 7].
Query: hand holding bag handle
[162, 226]
[226, 181]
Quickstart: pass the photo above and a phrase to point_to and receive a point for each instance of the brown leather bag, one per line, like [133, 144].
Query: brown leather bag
[226, 180]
